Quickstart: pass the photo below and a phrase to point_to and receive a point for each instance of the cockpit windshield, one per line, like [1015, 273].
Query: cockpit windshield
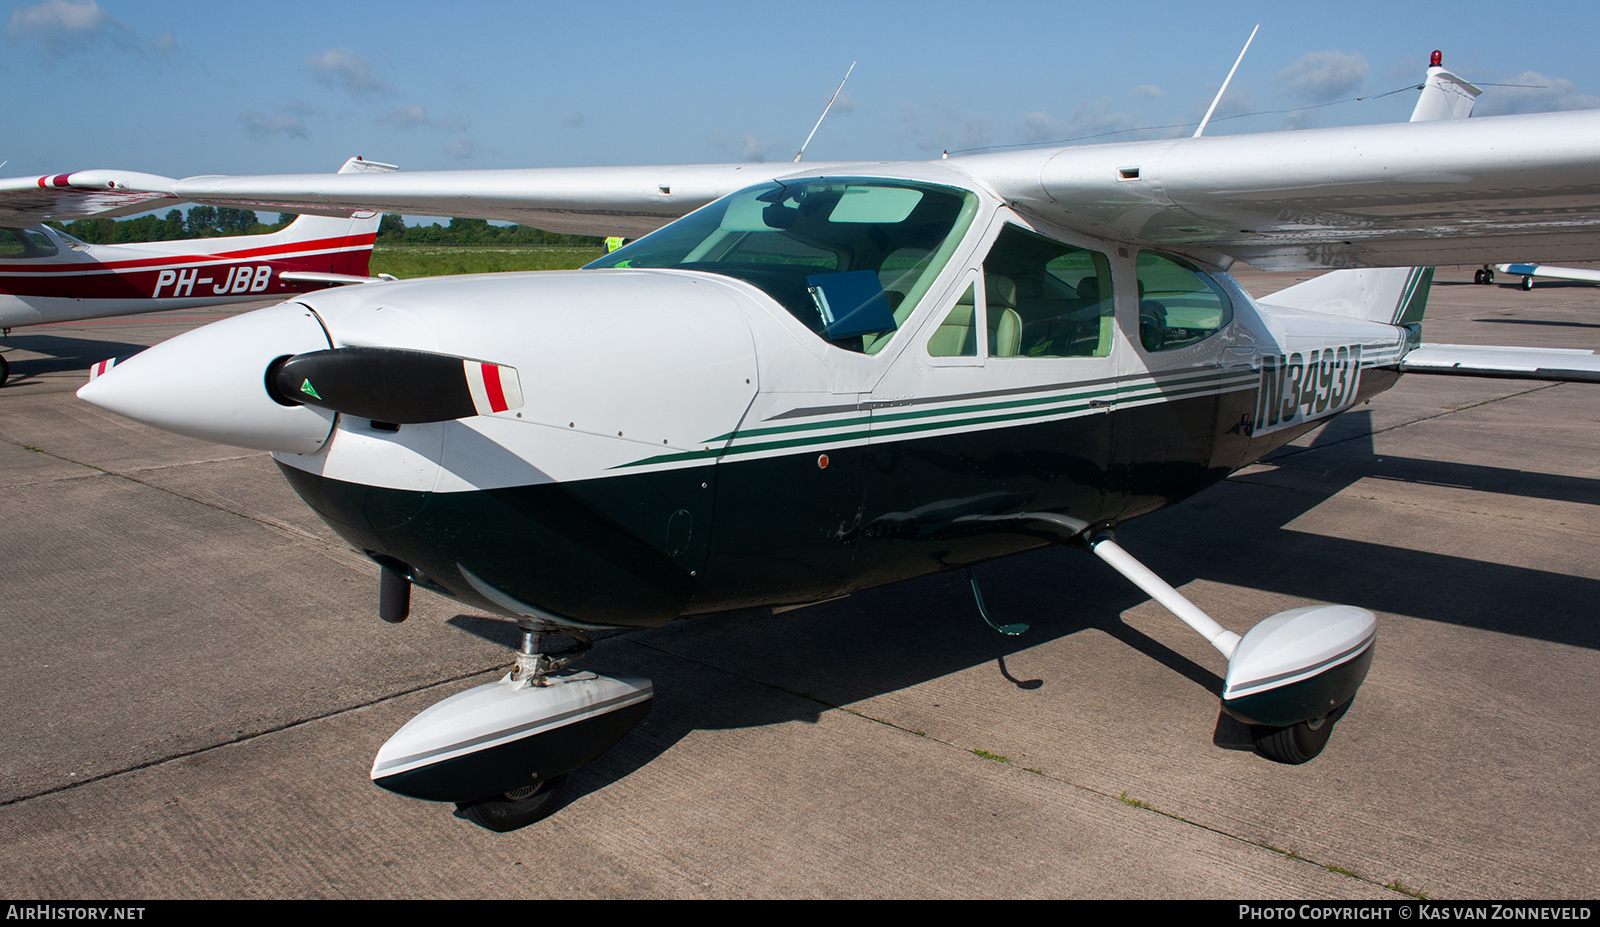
[849, 258]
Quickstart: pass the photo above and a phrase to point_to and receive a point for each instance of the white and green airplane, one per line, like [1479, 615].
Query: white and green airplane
[823, 378]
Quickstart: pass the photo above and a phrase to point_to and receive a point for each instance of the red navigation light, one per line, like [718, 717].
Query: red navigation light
[1435, 61]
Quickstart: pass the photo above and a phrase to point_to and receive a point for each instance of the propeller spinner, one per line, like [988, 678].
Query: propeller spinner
[270, 380]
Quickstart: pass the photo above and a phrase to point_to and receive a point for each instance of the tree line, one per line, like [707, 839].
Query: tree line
[201, 222]
[219, 221]
[392, 230]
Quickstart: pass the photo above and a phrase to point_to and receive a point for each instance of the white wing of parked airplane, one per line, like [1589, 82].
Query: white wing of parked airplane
[26, 201]
[48, 276]
[1529, 271]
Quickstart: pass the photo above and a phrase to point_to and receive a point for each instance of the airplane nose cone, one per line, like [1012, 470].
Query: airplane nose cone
[210, 383]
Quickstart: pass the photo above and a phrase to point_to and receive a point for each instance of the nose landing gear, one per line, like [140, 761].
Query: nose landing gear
[501, 751]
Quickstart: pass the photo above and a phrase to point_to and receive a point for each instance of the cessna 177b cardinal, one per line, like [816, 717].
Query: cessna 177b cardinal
[47, 275]
[851, 375]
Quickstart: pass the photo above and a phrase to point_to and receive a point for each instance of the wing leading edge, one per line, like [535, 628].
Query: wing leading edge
[629, 201]
[1404, 194]
[80, 194]
[1453, 191]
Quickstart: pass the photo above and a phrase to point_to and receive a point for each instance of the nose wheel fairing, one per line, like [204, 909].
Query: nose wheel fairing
[510, 734]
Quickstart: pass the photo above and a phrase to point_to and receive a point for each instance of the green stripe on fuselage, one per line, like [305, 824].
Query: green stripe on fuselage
[880, 423]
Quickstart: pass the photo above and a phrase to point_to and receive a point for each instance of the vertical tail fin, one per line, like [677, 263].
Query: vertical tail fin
[349, 239]
[1444, 95]
[1393, 295]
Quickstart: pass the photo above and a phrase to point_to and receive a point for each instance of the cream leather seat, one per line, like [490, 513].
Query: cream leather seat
[955, 336]
[1005, 325]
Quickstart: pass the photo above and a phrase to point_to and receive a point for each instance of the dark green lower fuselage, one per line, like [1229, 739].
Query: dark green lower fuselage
[642, 548]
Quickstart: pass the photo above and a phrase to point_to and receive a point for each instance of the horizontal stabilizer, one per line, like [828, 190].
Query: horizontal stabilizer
[312, 276]
[1471, 360]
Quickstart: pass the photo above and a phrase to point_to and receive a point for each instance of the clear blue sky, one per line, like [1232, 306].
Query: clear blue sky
[182, 88]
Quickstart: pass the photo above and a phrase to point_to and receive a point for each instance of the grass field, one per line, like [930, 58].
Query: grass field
[406, 261]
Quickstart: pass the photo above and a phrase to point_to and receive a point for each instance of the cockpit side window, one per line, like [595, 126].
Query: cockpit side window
[1047, 298]
[25, 243]
[1179, 305]
[850, 258]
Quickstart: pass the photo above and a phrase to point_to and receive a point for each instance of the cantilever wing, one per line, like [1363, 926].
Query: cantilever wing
[1455, 191]
[1404, 194]
[629, 201]
[32, 200]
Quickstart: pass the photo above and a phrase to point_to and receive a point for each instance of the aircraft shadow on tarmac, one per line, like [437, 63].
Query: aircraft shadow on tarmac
[896, 637]
[61, 354]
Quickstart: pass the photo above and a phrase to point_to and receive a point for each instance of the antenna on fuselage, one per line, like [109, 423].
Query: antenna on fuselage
[802, 151]
[1226, 80]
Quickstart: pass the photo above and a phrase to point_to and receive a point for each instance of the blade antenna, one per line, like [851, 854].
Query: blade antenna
[1225, 81]
[799, 154]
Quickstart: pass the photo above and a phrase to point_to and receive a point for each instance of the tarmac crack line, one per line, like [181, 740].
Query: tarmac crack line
[339, 552]
[245, 738]
[1122, 798]
[1140, 805]
[1289, 452]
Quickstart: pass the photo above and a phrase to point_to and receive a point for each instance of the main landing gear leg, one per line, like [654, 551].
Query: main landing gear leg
[1290, 677]
[502, 751]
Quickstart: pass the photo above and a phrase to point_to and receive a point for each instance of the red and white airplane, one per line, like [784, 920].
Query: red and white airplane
[47, 275]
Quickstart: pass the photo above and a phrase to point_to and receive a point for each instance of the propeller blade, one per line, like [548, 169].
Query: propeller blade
[393, 385]
[104, 367]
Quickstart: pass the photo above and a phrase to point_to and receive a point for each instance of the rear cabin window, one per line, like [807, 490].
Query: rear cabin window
[1179, 304]
[25, 243]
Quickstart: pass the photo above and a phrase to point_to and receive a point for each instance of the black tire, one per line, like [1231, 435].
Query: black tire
[5, 371]
[1527, 283]
[1297, 743]
[1477, 277]
[504, 813]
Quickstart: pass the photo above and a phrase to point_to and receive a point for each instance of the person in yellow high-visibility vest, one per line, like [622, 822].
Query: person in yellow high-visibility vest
[613, 243]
